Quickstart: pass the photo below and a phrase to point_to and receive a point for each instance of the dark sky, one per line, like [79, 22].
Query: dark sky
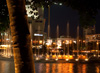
[61, 15]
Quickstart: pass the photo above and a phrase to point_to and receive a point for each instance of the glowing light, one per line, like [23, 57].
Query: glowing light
[37, 58]
[34, 54]
[40, 42]
[54, 43]
[96, 50]
[74, 42]
[97, 43]
[38, 34]
[67, 42]
[94, 55]
[86, 59]
[56, 59]
[63, 42]
[76, 59]
[98, 55]
[83, 41]
[70, 56]
[60, 3]
[67, 59]
[46, 59]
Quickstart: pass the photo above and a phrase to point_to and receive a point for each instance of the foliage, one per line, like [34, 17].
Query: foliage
[4, 18]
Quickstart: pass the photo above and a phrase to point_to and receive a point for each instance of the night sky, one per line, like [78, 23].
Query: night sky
[61, 15]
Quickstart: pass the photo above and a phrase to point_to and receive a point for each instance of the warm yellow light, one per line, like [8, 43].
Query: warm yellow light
[37, 58]
[86, 59]
[40, 42]
[67, 42]
[94, 55]
[56, 59]
[67, 59]
[76, 59]
[59, 55]
[54, 43]
[70, 42]
[63, 42]
[46, 59]
[97, 43]
[83, 41]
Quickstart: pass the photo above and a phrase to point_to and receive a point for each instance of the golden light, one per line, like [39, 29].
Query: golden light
[54, 56]
[83, 41]
[98, 55]
[67, 59]
[76, 59]
[56, 59]
[46, 59]
[59, 57]
[94, 55]
[54, 43]
[37, 58]
[47, 56]
[67, 42]
[86, 59]
[34, 54]
[63, 42]
[70, 42]
[79, 40]
[40, 42]
[97, 43]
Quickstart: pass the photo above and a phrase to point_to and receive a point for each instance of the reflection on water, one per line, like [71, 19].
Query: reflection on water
[8, 67]
[66, 68]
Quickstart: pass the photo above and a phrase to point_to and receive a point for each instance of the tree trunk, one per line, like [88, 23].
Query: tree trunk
[22, 49]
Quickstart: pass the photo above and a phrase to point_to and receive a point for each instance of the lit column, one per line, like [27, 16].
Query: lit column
[98, 47]
[68, 37]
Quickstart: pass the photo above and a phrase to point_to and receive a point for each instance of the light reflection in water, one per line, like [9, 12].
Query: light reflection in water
[8, 67]
[98, 69]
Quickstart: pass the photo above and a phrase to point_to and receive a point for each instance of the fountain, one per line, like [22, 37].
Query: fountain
[37, 58]
[68, 37]
[77, 43]
[98, 48]
[57, 42]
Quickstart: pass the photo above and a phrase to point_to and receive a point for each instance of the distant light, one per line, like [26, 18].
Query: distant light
[60, 3]
[98, 55]
[97, 43]
[55, 3]
[94, 55]
[37, 58]
[86, 59]
[56, 59]
[74, 42]
[7, 39]
[38, 34]
[76, 59]
[67, 59]
[46, 59]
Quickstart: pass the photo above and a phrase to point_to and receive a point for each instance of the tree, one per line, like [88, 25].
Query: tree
[22, 49]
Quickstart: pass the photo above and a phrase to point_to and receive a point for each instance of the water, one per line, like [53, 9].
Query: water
[8, 67]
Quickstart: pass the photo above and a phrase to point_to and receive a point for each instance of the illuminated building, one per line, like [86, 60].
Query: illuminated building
[36, 25]
[88, 31]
